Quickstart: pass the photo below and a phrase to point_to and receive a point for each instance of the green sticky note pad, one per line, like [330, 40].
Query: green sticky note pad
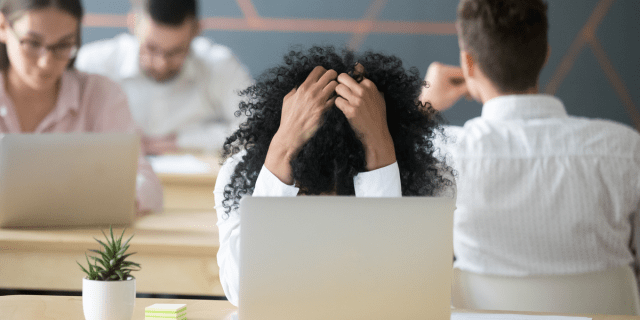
[166, 309]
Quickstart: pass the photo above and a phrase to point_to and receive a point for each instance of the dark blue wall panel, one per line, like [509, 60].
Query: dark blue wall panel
[586, 90]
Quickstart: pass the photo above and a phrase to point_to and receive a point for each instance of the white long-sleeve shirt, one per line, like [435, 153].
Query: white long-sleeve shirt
[198, 105]
[383, 182]
[540, 192]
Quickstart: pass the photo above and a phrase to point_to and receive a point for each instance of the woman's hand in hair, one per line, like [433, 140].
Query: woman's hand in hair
[365, 108]
[302, 111]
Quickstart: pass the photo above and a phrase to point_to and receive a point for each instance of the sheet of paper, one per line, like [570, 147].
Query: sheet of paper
[182, 164]
[493, 316]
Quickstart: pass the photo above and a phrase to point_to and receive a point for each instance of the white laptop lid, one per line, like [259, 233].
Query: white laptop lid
[67, 179]
[345, 258]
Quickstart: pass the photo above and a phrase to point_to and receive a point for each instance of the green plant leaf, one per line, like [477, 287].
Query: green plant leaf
[110, 243]
[83, 269]
[127, 242]
[102, 262]
[129, 263]
[89, 263]
[106, 247]
[113, 241]
[120, 239]
[102, 254]
[110, 264]
[105, 236]
[121, 259]
[123, 250]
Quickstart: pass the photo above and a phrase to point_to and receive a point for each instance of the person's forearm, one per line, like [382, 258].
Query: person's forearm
[279, 157]
[148, 187]
[379, 151]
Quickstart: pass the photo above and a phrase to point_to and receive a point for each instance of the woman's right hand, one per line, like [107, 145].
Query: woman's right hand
[302, 111]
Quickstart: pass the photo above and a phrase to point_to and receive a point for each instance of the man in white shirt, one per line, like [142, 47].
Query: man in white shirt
[539, 192]
[182, 89]
[341, 130]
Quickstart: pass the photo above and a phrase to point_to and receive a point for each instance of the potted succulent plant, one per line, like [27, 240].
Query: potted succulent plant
[109, 290]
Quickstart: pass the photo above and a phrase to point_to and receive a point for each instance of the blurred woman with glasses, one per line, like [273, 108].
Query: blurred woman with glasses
[41, 92]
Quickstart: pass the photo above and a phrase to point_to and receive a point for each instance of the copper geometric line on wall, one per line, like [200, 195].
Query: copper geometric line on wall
[616, 81]
[587, 36]
[364, 28]
[587, 31]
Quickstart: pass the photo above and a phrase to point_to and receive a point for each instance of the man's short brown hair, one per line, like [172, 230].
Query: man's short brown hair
[507, 38]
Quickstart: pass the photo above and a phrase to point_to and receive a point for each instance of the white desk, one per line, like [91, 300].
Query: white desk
[190, 191]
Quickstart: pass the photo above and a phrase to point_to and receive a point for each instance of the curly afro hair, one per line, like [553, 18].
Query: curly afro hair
[329, 161]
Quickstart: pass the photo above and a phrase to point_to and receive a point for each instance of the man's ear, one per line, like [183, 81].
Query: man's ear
[197, 28]
[468, 63]
[3, 28]
[546, 59]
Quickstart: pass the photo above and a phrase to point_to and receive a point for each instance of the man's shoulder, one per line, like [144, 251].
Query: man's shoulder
[605, 127]
[103, 56]
[210, 52]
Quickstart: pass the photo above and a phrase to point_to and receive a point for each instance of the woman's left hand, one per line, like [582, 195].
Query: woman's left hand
[365, 108]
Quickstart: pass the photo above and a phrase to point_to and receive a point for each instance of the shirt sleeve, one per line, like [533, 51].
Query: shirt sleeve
[228, 77]
[267, 185]
[114, 116]
[383, 182]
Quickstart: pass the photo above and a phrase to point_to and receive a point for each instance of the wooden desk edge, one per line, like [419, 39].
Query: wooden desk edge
[196, 309]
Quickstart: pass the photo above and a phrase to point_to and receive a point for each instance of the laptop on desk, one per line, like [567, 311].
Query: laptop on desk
[67, 179]
[350, 258]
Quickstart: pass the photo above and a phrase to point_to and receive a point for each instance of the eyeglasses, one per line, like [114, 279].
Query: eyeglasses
[176, 55]
[35, 49]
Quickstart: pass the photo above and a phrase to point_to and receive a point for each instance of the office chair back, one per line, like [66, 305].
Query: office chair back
[613, 291]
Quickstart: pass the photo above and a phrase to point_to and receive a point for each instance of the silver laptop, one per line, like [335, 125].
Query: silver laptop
[345, 258]
[67, 180]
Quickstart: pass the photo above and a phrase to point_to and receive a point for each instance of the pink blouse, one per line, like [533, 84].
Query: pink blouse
[89, 103]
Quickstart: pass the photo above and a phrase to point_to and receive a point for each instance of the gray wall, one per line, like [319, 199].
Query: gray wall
[595, 78]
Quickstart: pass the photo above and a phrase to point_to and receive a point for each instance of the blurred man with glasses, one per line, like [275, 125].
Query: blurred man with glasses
[182, 89]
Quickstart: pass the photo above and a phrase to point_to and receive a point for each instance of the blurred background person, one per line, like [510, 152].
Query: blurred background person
[41, 92]
[182, 89]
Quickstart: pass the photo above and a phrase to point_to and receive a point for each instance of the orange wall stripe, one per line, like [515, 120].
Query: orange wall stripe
[616, 81]
[104, 20]
[366, 24]
[294, 25]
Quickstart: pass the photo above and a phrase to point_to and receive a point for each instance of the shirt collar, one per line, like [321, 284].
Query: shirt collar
[523, 106]
[130, 67]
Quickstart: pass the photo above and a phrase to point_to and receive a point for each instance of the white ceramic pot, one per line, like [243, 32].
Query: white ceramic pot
[108, 300]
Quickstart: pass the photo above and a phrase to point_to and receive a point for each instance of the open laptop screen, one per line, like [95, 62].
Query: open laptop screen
[333, 257]
[67, 179]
